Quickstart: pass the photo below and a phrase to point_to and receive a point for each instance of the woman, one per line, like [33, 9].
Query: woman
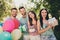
[45, 29]
[32, 26]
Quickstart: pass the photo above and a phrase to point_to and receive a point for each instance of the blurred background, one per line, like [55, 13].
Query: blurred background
[53, 7]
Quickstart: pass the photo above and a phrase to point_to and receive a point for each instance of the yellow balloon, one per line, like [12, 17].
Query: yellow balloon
[16, 34]
[1, 29]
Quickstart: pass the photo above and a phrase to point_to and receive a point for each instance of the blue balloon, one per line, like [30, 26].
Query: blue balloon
[1, 24]
[5, 36]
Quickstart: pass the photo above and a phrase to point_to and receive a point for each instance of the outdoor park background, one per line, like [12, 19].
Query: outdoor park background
[53, 7]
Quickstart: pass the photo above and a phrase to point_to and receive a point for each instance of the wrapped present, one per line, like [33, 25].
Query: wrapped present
[53, 21]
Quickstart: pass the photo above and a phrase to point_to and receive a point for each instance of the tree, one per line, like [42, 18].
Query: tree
[4, 9]
[53, 7]
[55, 11]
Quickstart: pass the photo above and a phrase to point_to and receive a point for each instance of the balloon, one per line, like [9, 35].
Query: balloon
[20, 28]
[5, 36]
[16, 34]
[23, 28]
[8, 25]
[1, 29]
[1, 24]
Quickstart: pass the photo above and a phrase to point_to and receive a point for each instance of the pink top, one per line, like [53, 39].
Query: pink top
[33, 30]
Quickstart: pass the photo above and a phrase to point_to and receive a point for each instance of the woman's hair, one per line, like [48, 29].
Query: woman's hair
[30, 19]
[41, 19]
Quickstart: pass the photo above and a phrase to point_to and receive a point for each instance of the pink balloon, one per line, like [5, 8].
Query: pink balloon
[10, 24]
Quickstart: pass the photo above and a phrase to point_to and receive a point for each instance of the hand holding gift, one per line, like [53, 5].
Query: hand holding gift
[53, 21]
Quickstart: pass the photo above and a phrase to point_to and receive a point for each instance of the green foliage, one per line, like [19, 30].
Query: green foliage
[55, 11]
[53, 7]
[4, 9]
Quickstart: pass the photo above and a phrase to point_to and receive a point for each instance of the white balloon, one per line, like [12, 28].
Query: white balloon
[1, 29]
[16, 34]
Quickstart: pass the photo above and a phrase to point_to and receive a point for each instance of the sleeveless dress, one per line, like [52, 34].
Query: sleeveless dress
[48, 35]
[33, 33]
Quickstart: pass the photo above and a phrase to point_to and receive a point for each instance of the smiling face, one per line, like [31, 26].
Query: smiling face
[14, 13]
[22, 11]
[44, 13]
[31, 15]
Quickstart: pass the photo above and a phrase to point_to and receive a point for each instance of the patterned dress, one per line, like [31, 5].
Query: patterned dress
[48, 35]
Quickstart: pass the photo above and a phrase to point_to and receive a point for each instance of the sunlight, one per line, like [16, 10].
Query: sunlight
[25, 3]
[18, 3]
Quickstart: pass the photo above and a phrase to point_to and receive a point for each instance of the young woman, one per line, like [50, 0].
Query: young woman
[45, 29]
[32, 26]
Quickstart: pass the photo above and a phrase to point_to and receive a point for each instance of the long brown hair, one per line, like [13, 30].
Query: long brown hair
[30, 19]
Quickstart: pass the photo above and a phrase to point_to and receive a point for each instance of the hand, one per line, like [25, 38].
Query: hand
[50, 26]
[45, 21]
[55, 23]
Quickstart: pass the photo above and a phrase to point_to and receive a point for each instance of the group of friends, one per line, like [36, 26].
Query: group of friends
[31, 27]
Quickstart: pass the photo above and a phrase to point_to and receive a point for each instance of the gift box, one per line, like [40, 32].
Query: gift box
[53, 21]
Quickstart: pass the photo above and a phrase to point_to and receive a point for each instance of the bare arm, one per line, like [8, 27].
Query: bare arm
[28, 26]
[43, 30]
